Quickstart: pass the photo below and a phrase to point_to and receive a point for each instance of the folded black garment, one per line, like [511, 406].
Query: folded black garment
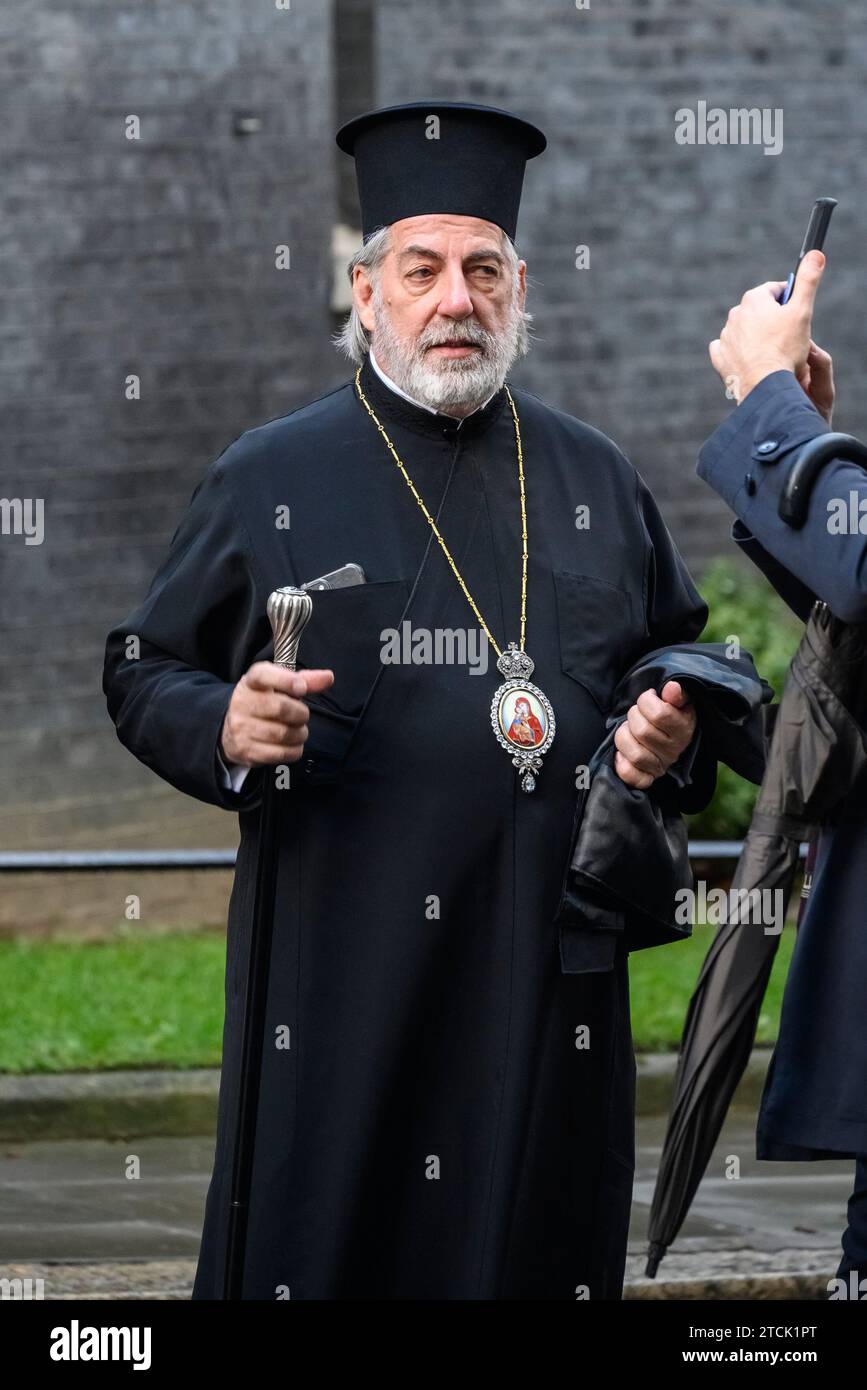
[628, 853]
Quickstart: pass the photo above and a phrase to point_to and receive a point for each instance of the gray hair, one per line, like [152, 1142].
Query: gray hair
[353, 339]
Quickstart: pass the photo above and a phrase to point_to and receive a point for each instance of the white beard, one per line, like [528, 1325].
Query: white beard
[445, 382]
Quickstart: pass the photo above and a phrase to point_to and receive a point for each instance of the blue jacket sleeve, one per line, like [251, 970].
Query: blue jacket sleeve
[746, 461]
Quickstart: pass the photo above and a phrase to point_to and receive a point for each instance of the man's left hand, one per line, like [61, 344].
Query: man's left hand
[762, 336]
[653, 735]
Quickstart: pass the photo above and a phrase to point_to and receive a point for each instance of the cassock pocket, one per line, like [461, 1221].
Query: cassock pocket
[344, 635]
[598, 635]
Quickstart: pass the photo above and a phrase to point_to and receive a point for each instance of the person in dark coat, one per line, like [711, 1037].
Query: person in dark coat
[444, 1112]
[814, 1103]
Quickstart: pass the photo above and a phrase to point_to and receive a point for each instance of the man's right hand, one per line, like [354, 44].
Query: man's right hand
[266, 722]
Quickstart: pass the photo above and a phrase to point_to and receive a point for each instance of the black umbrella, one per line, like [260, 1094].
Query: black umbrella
[818, 746]
[288, 610]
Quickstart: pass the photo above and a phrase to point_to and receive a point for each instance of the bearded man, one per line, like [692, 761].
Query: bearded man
[444, 1111]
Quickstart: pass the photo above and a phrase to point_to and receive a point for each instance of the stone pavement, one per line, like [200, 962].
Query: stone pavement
[69, 1215]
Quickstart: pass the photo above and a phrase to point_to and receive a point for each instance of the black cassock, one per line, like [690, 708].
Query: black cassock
[444, 1112]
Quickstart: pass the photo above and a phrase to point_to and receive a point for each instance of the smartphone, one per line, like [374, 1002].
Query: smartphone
[338, 579]
[814, 239]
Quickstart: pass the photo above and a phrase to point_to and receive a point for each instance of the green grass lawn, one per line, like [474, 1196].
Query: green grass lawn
[157, 1001]
[134, 1001]
[662, 979]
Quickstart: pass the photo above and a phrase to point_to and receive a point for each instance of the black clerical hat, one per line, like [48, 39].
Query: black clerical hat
[468, 160]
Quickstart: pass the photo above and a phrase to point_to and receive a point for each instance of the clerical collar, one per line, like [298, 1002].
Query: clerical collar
[455, 420]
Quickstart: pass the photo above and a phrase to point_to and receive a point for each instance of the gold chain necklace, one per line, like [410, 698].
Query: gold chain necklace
[521, 715]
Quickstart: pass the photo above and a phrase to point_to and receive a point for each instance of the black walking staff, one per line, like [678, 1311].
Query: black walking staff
[289, 611]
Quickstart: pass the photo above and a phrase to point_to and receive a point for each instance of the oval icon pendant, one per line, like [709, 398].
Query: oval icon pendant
[521, 716]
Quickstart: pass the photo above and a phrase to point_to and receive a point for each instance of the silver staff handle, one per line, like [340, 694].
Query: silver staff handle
[288, 612]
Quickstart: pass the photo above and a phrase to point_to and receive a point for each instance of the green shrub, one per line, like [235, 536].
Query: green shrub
[743, 605]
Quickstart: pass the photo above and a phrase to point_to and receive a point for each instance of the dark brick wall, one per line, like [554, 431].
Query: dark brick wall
[676, 233]
[154, 257]
[355, 88]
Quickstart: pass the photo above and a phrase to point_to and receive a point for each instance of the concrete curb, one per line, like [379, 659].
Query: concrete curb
[758, 1288]
[109, 1105]
[137, 1104]
[172, 1279]
[656, 1071]
[701, 1271]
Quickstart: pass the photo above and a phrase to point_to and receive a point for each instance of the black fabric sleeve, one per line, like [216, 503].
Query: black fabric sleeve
[171, 665]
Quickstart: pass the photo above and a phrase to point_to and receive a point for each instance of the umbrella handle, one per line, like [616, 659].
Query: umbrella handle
[812, 850]
[808, 464]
